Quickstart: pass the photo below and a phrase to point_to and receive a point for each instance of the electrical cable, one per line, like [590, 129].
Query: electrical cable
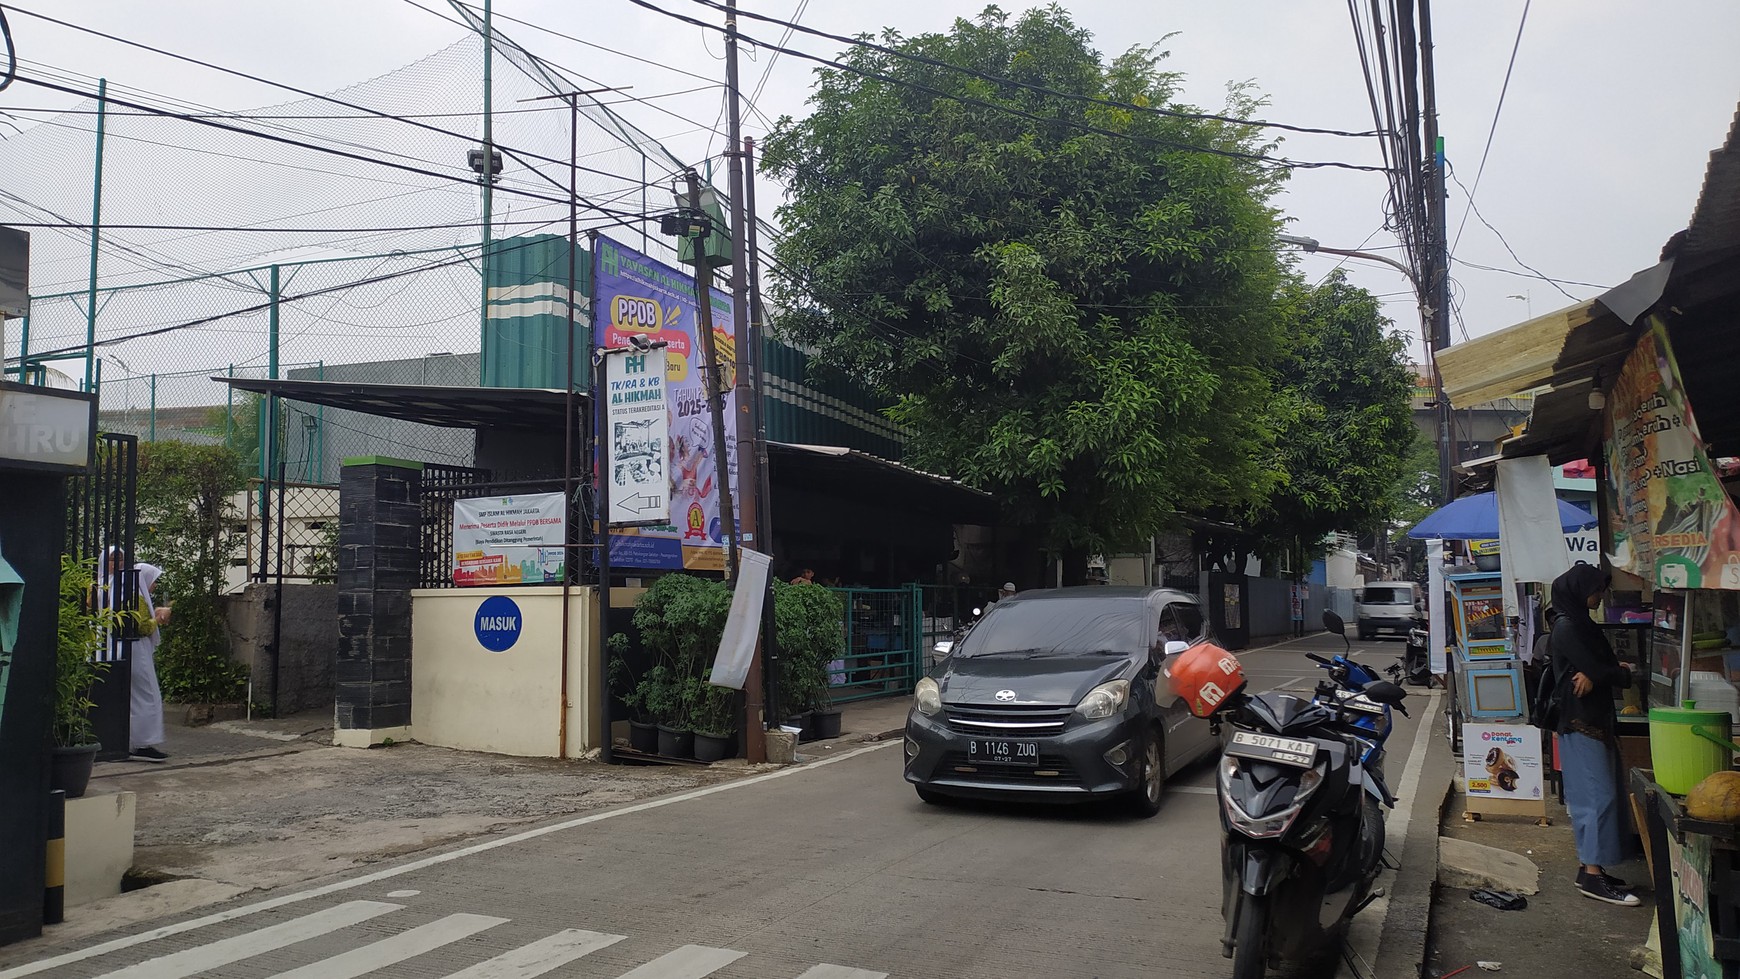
[1501, 240]
[11, 52]
[791, 25]
[1493, 129]
[1258, 158]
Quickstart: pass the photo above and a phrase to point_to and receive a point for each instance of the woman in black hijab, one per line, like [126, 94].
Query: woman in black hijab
[1587, 675]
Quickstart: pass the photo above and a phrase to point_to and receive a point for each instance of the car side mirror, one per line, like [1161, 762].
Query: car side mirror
[1333, 623]
[1174, 647]
[1384, 692]
[945, 647]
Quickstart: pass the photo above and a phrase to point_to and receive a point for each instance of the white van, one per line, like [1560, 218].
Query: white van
[1386, 606]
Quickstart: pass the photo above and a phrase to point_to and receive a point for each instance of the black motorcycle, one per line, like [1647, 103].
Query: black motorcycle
[1415, 666]
[1302, 798]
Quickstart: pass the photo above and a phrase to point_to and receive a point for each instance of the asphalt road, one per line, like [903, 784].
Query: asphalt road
[833, 870]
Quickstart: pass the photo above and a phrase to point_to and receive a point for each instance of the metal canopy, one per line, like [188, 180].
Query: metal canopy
[445, 406]
[851, 473]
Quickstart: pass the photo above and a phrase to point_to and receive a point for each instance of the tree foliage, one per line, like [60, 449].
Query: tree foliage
[184, 494]
[1081, 323]
[1341, 416]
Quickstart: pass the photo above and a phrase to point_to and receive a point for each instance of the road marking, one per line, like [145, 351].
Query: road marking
[688, 962]
[227, 951]
[540, 956]
[129, 941]
[841, 972]
[392, 951]
[1368, 927]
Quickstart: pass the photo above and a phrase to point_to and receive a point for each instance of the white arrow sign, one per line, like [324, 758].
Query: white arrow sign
[637, 424]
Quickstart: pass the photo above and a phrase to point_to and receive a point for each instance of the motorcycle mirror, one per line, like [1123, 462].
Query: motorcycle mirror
[1333, 623]
[1385, 692]
[1175, 647]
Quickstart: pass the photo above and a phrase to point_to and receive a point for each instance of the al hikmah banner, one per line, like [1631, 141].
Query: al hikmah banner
[1669, 518]
[509, 540]
[634, 294]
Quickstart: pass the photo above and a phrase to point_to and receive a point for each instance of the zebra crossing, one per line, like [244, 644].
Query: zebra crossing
[528, 961]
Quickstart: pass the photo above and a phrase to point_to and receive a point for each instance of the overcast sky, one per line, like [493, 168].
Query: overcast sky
[1598, 156]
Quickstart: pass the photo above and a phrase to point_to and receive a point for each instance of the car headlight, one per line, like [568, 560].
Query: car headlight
[1270, 824]
[927, 697]
[1105, 700]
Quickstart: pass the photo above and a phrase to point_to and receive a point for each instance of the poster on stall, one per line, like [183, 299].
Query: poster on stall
[636, 426]
[637, 295]
[509, 540]
[1502, 761]
[1669, 518]
[1691, 866]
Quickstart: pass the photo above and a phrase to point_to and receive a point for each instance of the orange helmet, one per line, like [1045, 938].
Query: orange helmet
[1205, 675]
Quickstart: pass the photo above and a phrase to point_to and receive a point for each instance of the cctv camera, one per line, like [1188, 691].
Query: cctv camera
[640, 340]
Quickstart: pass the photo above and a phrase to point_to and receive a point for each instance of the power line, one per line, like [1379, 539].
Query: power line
[1280, 163]
[1501, 240]
[322, 117]
[791, 25]
[1493, 129]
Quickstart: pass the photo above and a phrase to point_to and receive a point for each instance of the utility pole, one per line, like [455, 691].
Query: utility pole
[714, 379]
[748, 355]
[1436, 281]
[96, 241]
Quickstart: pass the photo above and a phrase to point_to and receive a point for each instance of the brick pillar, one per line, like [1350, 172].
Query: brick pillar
[379, 523]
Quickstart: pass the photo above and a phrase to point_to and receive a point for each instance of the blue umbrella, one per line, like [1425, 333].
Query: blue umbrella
[1476, 518]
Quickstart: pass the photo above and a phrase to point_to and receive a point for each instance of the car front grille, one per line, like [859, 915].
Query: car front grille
[1009, 721]
[1051, 770]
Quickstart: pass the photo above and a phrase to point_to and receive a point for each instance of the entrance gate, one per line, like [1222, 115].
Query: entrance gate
[102, 512]
[884, 644]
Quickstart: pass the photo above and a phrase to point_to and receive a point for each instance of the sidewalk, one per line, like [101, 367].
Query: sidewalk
[1560, 933]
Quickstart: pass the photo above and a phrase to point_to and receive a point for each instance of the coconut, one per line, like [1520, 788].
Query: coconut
[1716, 799]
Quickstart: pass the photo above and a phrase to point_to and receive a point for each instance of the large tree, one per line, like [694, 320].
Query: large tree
[1072, 303]
[1342, 417]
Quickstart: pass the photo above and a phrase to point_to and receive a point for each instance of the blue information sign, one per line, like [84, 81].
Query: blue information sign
[497, 624]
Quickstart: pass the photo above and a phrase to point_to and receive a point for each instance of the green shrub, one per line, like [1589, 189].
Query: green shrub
[810, 631]
[193, 663]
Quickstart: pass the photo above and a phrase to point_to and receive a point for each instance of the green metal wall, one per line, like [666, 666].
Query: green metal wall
[525, 337]
[822, 410]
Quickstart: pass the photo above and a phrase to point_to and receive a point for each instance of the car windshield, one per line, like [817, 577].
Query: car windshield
[1060, 627]
[1388, 596]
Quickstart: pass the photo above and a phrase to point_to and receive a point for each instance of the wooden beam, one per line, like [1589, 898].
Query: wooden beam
[1511, 361]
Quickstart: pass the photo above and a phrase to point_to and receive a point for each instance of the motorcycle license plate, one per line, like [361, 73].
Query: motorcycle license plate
[985, 752]
[1265, 747]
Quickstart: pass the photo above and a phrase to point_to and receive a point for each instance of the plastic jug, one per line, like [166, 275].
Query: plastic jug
[1687, 745]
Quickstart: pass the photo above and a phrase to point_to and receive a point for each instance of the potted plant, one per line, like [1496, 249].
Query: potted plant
[668, 701]
[714, 719]
[809, 626]
[643, 734]
[83, 629]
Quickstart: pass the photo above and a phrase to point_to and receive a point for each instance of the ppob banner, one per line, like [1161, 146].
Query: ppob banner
[509, 540]
[1502, 761]
[636, 295]
[1669, 518]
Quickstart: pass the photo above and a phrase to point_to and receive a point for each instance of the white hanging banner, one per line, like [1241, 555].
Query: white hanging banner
[637, 424]
[1529, 532]
[1440, 663]
[737, 645]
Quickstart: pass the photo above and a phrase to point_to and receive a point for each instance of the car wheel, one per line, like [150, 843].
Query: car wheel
[1151, 788]
[931, 796]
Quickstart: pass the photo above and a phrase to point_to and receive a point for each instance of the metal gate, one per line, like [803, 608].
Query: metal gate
[102, 512]
[884, 644]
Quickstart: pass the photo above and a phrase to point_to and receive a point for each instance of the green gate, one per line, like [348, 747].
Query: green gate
[884, 644]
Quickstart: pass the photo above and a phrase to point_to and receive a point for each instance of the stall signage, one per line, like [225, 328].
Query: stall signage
[1502, 761]
[44, 429]
[1691, 865]
[637, 296]
[637, 426]
[498, 623]
[1668, 516]
[509, 540]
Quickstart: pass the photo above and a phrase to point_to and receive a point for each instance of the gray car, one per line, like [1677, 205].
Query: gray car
[1060, 694]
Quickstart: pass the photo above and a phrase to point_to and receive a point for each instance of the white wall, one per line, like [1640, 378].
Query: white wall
[467, 697]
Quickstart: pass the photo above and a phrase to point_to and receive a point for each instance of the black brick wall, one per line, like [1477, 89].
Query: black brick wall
[378, 553]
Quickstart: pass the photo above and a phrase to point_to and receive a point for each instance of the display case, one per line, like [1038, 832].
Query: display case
[1668, 684]
[1631, 645]
[1494, 691]
[1477, 602]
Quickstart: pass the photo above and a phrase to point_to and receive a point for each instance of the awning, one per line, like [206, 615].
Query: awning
[853, 474]
[446, 406]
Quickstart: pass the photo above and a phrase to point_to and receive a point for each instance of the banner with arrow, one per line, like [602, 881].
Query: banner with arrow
[637, 427]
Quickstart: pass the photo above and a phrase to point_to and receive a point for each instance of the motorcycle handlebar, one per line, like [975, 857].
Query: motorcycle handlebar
[1313, 657]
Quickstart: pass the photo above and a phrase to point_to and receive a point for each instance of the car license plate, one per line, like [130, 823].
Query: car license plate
[1264, 747]
[983, 752]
